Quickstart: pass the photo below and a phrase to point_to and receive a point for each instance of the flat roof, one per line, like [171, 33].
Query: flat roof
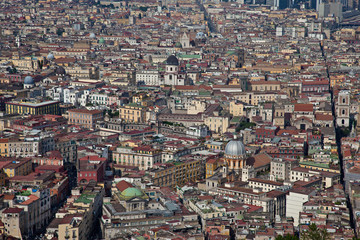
[32, 104]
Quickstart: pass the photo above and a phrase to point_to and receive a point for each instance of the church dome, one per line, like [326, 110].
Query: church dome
[92, 35]
[29, 80]
[172, 60]
[200, 35]
[131, 192]
[60, 71]
[102, 40]
[50, 57]
[235, 148]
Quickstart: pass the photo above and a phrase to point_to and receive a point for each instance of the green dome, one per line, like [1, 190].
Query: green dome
[131, 193]
[102, 40]
[178, 45]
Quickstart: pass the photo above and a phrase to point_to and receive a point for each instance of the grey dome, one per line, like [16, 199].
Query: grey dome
[172, 60]
[92, 35]
[60, 71]
[28, 80]
[50, 56]
[235, 148]
[200, 35]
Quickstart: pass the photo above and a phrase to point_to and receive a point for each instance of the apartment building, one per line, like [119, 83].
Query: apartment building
[84, 117]
[148, 77]
[33, 108]
[143, 157]
[133, 112]
[264, 185]
[18, 167]
[178, 173]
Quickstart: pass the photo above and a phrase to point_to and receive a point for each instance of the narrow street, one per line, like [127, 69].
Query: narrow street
[338, 134]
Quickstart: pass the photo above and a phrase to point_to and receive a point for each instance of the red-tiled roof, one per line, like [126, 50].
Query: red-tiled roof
[13, 210]
[301, 107]
[122, 185]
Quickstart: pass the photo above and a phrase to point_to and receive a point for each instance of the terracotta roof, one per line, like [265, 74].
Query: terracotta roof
[13, 210]
[32, 198]
[258, 160]
[323, 117]
[301, 107]
[9, 196]
[122, 185]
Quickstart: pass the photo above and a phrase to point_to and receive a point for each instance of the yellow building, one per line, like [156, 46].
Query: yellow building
[318, 166]
[26, 63]
[132, 113]
[253, 98]
[215, 146]
[178, 173]
[217, 124]
[4, 147]
[211, 165]
[265, 85]
[33, 108]
[236, 108]
[18, 168]
[336, 80]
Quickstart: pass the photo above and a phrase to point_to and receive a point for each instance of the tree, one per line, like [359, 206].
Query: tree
[12, 70]
[143, 9]
[314, 233]
[60, 31]
[287, 237]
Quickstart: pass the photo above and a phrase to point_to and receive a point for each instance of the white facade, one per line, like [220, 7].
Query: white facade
[343, 109]
[171, 75]
[294, 205]
[149, 78]
[98, 98]
[197, 131]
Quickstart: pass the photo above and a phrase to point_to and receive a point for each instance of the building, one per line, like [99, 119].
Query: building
[217, 124]
[149, 78]
[33, 108]
[211, 165]
[264, 185]
[76, 220]
[266, 133]
[91, 168]
[178, 173]
[19, 167]
[172, 76]
[84, 117]
[235, 154]
[295, 201]
[4, 147]
[280, 168]
[133, 112]
[14, 221]
[144, 157]
[236, 108]
[343, 109]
